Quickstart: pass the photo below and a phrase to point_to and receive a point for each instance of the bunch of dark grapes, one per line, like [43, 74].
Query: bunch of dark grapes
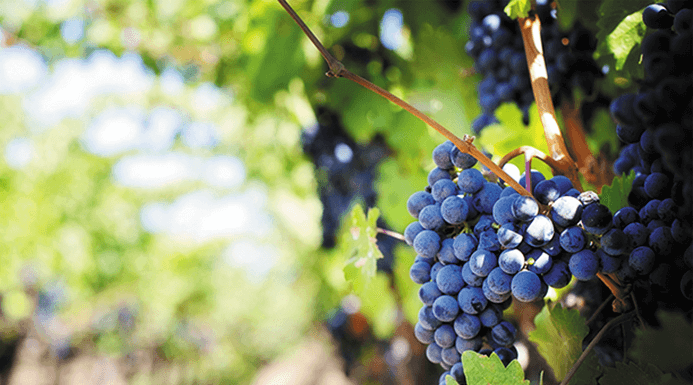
[495, 44]
[346, 172]
[656, 123]
[479, 244]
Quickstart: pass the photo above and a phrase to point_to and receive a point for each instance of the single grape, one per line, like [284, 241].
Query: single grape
[584, 264]
[472, 300]
[661, 241]
[596, 218]
[418, 201]
[625, 216]
[441, 155]
[433, 353]
[431, 218]
[509, 235]
[420, 272]
[526, 286]
[539, 262]
[558, 276]
[563, 183]
[428, 292]
[482, 262]
[467, 326]
[504, 333]
[437, 174]
[450, 356]
[637, 234]
[566, 211]
[427, 243]
[445, 308]
[422, 334]
[449, 279]
[642, 260]
[491, 316]
[573, 239]
[539, 232]
[470, 180]
[454, 210]
[488, 240]
[443, 189]
[446, 254]
[473, 344]
[615, 242]
[485, 198]
[464, 245]
[608, 263]
[427, 320]
[511, 261]
[470, 278]
[524, 208]
[502, 210]
[445, 336]
[546, 191]
[657, 16]
[412, 230]
[499, 281]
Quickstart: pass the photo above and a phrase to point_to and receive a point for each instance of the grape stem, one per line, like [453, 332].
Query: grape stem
[531, 37]
[599, 309]
[533, 153]
[392, 234]
[338, 70]
[593, 343]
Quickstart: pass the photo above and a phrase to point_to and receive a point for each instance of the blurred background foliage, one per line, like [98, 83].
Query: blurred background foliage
[158, 208]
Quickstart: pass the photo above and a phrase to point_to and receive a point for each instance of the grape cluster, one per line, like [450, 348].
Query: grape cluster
[497, 49]
[346, 172]
[478, 244]
[656, 125]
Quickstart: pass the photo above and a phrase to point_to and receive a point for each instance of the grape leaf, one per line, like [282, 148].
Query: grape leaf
[518, 8]
[634, 374]
[558, 337]
[620, 30]
[502, 138]
[567, 12]
[615, 196]
[450, 381]
[359, 239]
[669, 347]
[483, 370]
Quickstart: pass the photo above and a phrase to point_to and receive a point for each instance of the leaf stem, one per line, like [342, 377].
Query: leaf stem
[531, 37]
[337, 69]
[593, 343]
[392, 234]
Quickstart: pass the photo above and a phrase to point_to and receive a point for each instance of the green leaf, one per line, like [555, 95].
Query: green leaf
[620, 31]
[450, 381]
[558, 337]
[518, 8]
[668, 347]
[567, 12]
[360, 240]
[502, 138]
[634, 374]
[482, 370]
[615, 196]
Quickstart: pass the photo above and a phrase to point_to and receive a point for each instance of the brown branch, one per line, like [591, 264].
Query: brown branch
[621, 303]
[531, 37]
[593, 343]
[337, 69]
[595, 170]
